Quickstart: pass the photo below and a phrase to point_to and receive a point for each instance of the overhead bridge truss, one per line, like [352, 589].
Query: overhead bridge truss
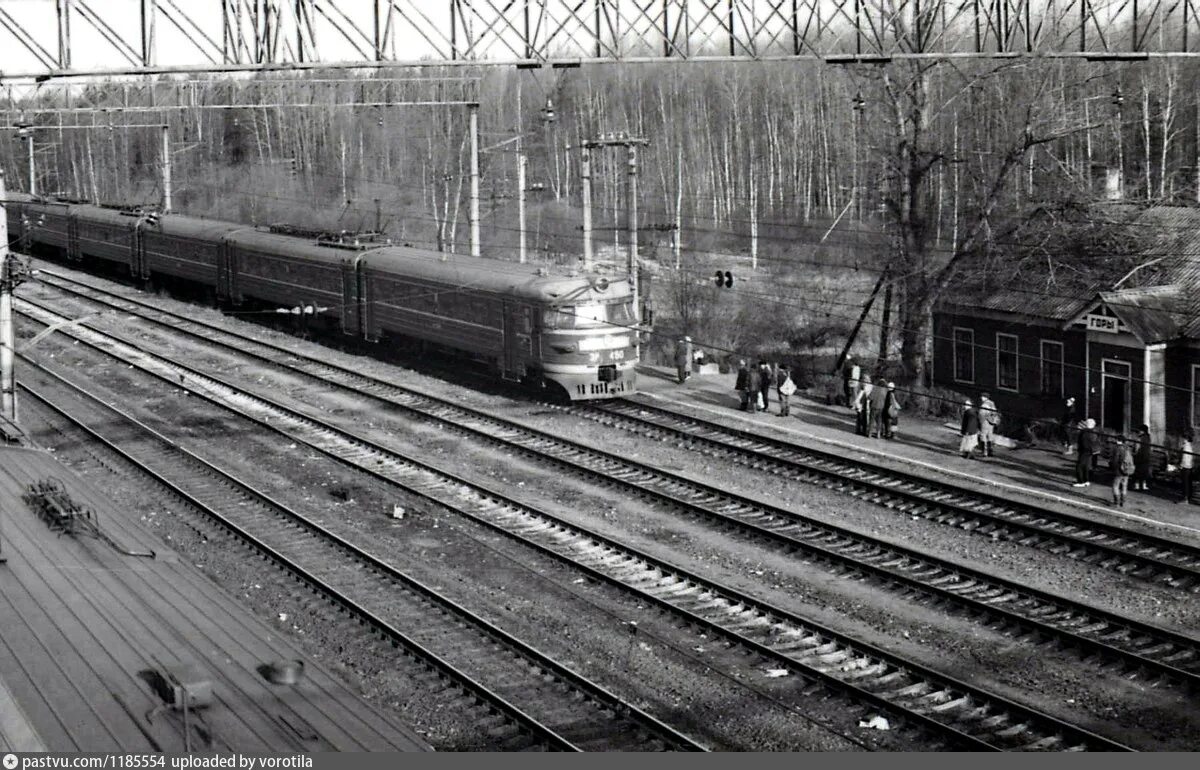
[53, 38]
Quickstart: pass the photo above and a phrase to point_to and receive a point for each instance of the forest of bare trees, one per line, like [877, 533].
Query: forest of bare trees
[807, 179]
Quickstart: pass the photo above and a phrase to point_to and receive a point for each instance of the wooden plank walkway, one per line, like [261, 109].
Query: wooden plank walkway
[85, 630]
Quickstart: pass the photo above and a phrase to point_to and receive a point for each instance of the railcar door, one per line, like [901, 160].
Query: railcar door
[71, 223]
[225, 269]
[518, 338]
[24, 239]
[139, 267]
[351, 318]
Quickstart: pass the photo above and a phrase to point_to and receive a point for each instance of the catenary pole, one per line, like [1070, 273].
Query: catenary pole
[8, 394]
[473, 211]
[633, 231]
[32, 167]
[521, 163]
[585, 179]
[166, 168]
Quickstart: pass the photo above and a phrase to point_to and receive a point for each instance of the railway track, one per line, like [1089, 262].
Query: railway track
[958, 713]
[1140, 555]
[481, 671]
[1119, 644]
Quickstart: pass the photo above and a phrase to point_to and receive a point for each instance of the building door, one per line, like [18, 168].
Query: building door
[1115, 392]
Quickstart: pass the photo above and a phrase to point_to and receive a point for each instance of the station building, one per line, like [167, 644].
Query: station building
[1128, 353]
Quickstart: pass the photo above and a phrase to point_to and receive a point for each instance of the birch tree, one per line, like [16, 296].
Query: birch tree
[917, 98]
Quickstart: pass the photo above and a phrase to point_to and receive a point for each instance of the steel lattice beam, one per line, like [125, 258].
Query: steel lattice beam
[151, 36]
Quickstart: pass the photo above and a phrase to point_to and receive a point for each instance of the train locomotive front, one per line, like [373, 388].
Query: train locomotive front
[589, 339]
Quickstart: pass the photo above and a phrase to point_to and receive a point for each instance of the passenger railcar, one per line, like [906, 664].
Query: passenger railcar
[574, 331]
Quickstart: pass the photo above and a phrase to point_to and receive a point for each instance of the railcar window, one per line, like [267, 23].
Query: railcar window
[590, 315]
[621, 313]
[559, 318]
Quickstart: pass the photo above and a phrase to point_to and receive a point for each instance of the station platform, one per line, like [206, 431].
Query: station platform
[96, 645]
[1042, 476]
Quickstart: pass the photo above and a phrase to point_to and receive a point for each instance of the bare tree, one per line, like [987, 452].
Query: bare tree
[1010, 112]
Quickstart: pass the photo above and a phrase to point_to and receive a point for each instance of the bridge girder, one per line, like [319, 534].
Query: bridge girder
[86, 37]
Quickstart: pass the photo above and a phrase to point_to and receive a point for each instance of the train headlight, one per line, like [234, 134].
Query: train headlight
[565, 348]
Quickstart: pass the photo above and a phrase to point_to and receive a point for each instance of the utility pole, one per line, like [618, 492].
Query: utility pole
[630, 143]
[887, 319]
[166, 168]
[632, 209]
[25, 131]
[473, 210]
[521, 162]
[858, 103]
[585, 180]
[1118, 101]
[12, 273]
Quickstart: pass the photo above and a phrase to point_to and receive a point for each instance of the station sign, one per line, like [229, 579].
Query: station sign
[1102, 323]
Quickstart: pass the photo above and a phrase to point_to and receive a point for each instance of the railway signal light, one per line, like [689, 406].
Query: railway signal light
[723, 278]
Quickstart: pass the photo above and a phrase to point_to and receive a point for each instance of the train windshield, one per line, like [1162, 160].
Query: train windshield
[588, 316]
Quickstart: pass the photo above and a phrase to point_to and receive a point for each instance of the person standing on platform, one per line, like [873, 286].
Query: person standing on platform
[683, 358]
[1066, 424]
[1087, 446]
[891, 412]
[786, 389]
[742, 385]
[1123, 467]
[1143, 459]
[765, 380]
[862, 407]
[970, 430]
[989, 419]
[878, 412]
[1187, 464]
[849, 378]
[754, 388]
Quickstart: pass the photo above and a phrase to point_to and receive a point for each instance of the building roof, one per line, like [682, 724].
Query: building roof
[1159, 300]
[1153, 314]
[1172, 257]
[1030, 303]
[89, 636]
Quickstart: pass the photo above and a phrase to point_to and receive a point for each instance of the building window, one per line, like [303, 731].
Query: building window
[964, 355]
[1052, 368]
[1006, 362]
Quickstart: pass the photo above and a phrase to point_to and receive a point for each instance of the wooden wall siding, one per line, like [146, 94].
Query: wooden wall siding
[1179, 396]
[1028, 400]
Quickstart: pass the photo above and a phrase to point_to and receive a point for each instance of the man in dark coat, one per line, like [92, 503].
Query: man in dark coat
[1143, 459]
[742, 386]
[1088, 447]
[754, 388]
[878, 412]
[764, 383]
[970, 430]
